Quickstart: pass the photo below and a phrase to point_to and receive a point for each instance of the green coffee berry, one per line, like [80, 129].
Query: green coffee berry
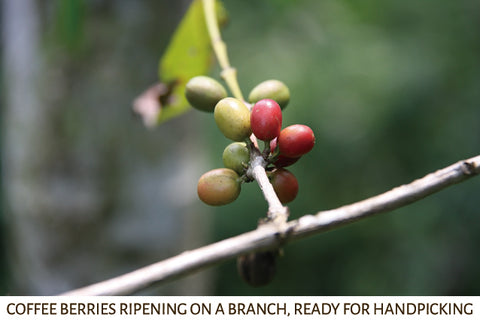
[271, 89]
[219, 186]
[233, 119]
[236, 156]
[203, 93]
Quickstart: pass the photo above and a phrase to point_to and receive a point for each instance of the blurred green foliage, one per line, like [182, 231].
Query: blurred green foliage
[68, 27]
[391, 90]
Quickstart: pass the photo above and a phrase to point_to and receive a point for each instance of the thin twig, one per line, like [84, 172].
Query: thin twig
[267, 236]
[229, 74]
[276, 211]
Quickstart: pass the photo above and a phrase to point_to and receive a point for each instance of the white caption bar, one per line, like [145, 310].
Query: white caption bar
[239, 308]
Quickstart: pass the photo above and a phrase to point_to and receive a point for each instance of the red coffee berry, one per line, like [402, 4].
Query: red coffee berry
[285, 185]
[266, 119]
[282, 160]
[296, 140]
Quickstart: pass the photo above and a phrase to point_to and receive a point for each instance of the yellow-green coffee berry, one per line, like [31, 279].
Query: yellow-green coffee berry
[203, 93]
[271, 89]
[233, 119]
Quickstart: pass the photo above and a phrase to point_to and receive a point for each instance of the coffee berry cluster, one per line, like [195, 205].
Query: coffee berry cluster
[238, 120]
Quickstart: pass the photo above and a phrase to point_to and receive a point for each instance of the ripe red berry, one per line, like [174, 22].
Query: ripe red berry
[282, 160]
[266, 119]
[285, 185]
[296, 140]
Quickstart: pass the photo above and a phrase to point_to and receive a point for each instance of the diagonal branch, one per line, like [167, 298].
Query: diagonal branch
[269, 236]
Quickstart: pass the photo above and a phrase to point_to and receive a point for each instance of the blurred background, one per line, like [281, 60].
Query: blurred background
[390, 88]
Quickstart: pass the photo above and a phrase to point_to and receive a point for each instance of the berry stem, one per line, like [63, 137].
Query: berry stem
[276, 211]
[229, 74]
[266, 149]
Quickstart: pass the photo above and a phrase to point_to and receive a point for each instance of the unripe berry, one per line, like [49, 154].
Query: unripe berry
[233, 119]
[271, 89]
[235, 156]
[266, 119]
[285, 185]
[203, 93]
[219, 186]
[296, 140]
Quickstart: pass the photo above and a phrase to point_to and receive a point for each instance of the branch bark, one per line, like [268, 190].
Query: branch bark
[274, 235]
[277, 213]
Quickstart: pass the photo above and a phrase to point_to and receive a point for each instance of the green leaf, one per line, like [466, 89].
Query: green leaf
[189, 54]
[189, 51]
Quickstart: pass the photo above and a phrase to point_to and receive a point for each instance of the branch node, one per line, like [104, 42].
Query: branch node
[283, 230]
[468, 168]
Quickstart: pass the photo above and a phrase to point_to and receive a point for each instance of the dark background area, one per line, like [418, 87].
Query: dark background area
[390, 88]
